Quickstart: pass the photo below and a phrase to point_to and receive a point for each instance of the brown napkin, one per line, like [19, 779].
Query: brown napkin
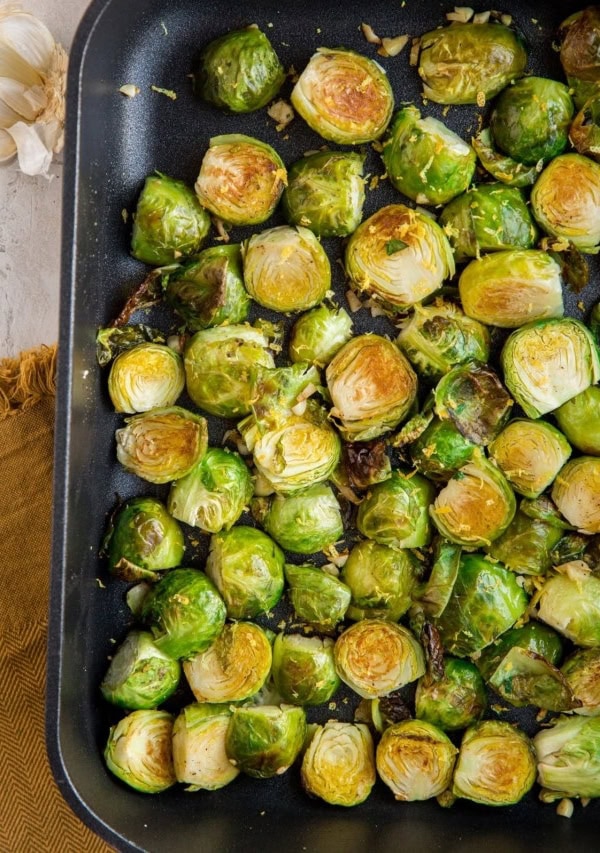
[33, 814]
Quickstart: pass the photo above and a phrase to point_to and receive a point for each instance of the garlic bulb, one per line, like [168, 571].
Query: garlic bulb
[32, 89]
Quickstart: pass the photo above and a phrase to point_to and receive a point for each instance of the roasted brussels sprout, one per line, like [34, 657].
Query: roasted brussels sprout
[488, 218]
[578, 51]
[438, 337]
[148, 376]
[501, 167]
[496, 764]
[398, 256]
[344, 97]
[545, 510]
[425, 160]
[318, 598]
[239, 71]
[530, 454]
[372, 387]
[246, 566]
[138, 751]
[532, 637]
[319, 334]
[486, 600]
[467, 63]
[576, 493]
[280, 392]
[584, 132]
[140, 675]
[530, 120]
[579, 419]
[548, 362]
[185, 613]
[286, 269]
[375, 657]
[304, 522]
[210, 290]
[212, 496]
[512, 287]
[233, 668]
[365, 463]
[169, 222]
[303, 669]
[326, 193]
[582, 672]
[568, 756]
[454, 701]
[241, 179]
[142, 538]
[566, 201]
[474, 399]
[163, 444]
[526, 546]
[569, 602]
[441, 450]
[476, 506]
[222, 366]
[381, 580]
[396, 511]
[199, 756]
[434, 595]
[265, 740]
[339, 764]
[415, 760]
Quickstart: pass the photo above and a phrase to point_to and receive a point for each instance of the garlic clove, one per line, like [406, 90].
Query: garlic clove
[16, 68]
[7, 115]
[27, 102]
[27, 36]
[8, 148]
[33, 153]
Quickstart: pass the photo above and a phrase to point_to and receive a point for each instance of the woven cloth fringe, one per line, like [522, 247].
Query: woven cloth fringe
[27, 379]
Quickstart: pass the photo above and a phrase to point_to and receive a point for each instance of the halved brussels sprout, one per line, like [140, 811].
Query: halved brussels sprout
[398, 256]
[566, 201]
[286, 269]
[496, 764]
[222, 365]
[531, 118]
[579, 419]
[339, 764]
[530, 454]
[434, 595]
[185, 613]
[548, 362]
[533, 637]
[584, 132]
[486, 600]
[578, 49]
[476, 506]
[212, 496]
[441, 450]
[148, 376]
[454, 701]
[304, 522]
[326, 193]
[488, 218]
[343, 96]
[501, 167]
[303, 669]
[210, 290]
[526, 545]
[169, 222]
[570, 603]
[265, 740]
[425, 160]
[511, 288]
[582, 672]
[473, 398]
[381, 580]
[375, 657]
[233, 668]
[372, 387]
[246, 566]
[576, 493]
[317, 335]
[568, 756]
[163, 444]
[396, 511]
[140, 675]
[142, 538]
[239, 71]
[241, 179]
[467, 63]
[318, 598]
[415, 760]
[138, 751]
[199, 756]
[438, 337]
